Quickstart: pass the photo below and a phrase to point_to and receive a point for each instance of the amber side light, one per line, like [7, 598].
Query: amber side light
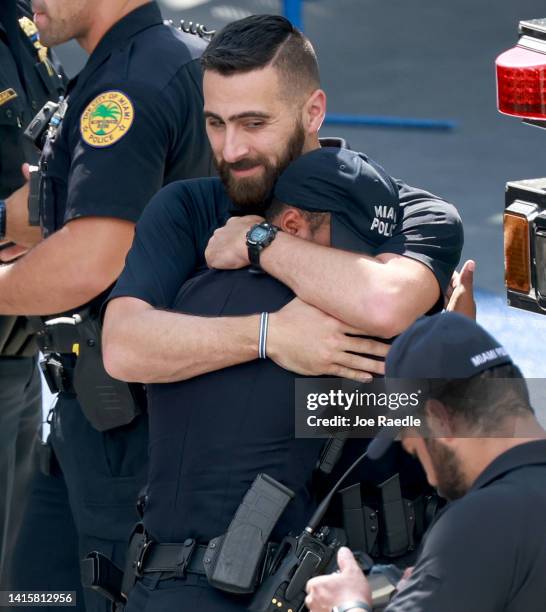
[517, 265]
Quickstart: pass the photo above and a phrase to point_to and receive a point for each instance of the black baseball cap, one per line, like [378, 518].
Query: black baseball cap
[362, 198]
[443, 346]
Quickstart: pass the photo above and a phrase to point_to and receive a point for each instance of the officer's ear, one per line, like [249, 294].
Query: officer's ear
[314, 111]
[293, 222]
[439, 421]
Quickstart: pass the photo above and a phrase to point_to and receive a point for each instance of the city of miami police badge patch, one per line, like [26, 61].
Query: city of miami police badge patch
[106, 119]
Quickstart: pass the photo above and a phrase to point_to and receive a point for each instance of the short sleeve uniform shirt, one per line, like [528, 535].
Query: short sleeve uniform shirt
[172, 235]
[132, 124]
[486, 552]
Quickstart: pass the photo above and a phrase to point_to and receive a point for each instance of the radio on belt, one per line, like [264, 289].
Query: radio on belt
[521, 92]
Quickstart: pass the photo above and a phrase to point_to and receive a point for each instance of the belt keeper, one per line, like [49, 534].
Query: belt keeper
[262, 341]
[184, 558]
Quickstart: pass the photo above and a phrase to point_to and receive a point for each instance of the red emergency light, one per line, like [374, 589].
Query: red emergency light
[521, 74]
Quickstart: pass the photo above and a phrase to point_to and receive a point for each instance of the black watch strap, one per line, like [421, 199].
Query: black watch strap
[255, 248]
[2, 219]
[254, 255]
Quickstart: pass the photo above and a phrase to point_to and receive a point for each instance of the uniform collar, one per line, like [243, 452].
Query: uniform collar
[529, 453]
[141, 18]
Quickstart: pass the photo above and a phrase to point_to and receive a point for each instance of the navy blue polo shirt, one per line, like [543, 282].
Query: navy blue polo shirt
[486, 552]
[175, 228]
[130, 126]
[211, 435]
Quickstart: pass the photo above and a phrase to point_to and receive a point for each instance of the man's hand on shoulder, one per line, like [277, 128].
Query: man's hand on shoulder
[305, 340]
[227, 248]
[347, 585]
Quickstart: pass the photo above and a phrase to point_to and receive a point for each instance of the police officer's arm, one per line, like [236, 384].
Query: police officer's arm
[382, 295]
[144, 342]
[68, 269]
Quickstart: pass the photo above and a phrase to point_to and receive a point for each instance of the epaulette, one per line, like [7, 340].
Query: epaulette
[31, 31]
[189, 27]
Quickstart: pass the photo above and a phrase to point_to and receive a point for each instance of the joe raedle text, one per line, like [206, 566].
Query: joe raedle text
[358, 421]
[327, 406]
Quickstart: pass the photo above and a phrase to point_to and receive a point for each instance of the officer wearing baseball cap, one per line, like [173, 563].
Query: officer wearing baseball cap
[434, 351]
[485, 452]
[245, 412]
[361, 197]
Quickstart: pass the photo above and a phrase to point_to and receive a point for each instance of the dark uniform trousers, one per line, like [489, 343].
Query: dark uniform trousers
[20, 406]
[105, 472]
[192, 593]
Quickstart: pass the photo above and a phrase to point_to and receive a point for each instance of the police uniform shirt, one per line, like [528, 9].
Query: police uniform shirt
[130, 126]
[211, 435]
[175, 228]
[244, 413]
[29, 78]
[486, 552]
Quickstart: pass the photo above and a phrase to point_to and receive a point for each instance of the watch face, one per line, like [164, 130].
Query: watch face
[258, 234]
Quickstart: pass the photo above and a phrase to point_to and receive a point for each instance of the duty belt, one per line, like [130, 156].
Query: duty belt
[73, 363]
[175, 560]
[145, 557]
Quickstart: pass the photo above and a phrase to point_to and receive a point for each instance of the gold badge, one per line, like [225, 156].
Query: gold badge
[7, 95]
[106, 119]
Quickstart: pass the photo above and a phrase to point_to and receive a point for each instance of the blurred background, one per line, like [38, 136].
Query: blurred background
[422, 59]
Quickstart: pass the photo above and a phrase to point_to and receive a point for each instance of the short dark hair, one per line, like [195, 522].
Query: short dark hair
[258, 41]
[483, 402]
[276, 208]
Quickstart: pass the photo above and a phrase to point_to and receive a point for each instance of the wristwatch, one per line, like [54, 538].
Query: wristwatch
[352, 605]
[2, 219]
[258, 237]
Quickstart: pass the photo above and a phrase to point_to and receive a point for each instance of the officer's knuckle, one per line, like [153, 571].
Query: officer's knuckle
[325, 355]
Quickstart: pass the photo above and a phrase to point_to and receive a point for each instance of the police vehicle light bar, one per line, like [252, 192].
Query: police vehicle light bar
[521, 73]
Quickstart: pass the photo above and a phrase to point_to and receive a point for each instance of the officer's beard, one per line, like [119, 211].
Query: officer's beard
[449, 473]
[252, 195]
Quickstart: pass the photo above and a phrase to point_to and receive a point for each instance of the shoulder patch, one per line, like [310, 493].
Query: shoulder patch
[106, 119]
[7, 95]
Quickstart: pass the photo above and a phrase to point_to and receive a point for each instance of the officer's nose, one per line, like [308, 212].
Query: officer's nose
[235, 146]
